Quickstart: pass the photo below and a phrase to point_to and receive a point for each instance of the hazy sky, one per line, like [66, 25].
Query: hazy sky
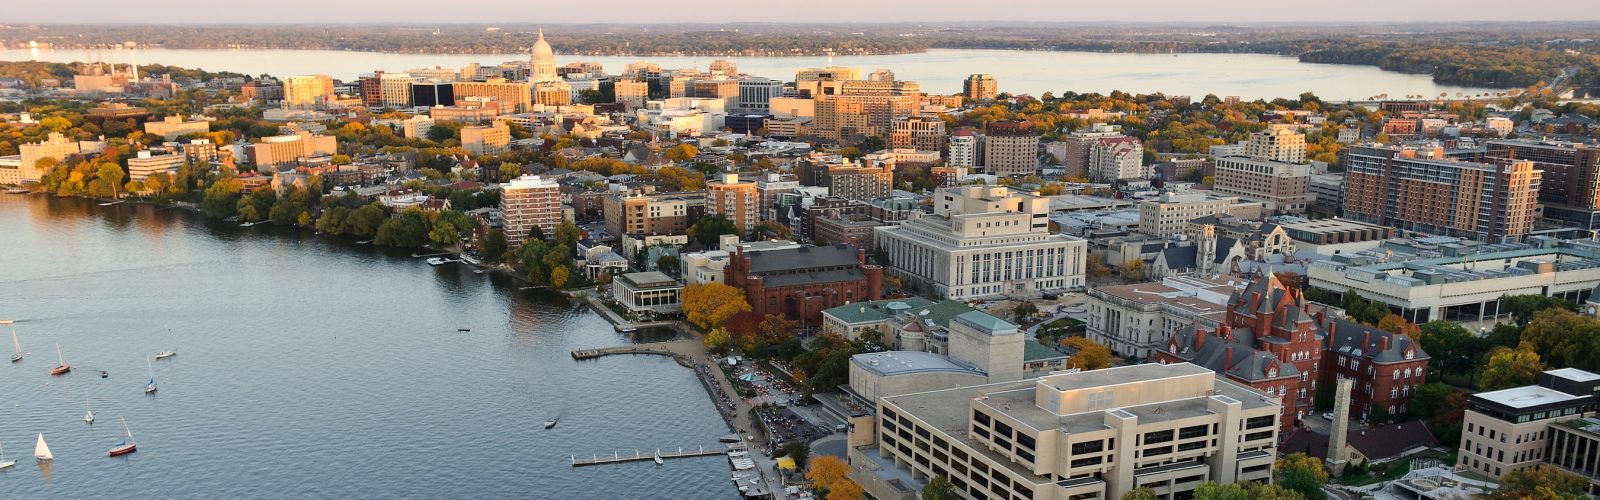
[714, 11]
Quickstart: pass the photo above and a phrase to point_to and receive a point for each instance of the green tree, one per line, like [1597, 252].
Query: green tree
[1303, 474]
[1428, 400]
[1523, 307]
[107, 180]
[365, 221]
[1213, 491]
[1543, 482]
[1133, 494]
[667, 264]
[509, 171]
[1450, 346]
[1508, 368]
[221, 200]
[939, 488]
[333, 220]
[494, 245]
[800, 451]
[1024, 311]
[706, 230]
[1565, 339]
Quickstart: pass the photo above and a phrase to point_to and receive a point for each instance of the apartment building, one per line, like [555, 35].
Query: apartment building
[304, 92]
[632, 93]
[1075, 153]
[519, 95]
[965, 148]
[980, 87]
[1011, 148]
[1570, 176]
[55, 146]
[921, 133]
[529, 202]
[863, 107]
[863, 180]
[1550, 422]
[1117, 158]
[984, 241]
[641, 213]
[1279, 142]
[1422, 189]
[1171, 212]
[1283, 187]
[481, 140]
[1084, 435]
[735, 199]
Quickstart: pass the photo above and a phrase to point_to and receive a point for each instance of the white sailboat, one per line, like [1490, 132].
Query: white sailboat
[150, 388]
[15, 345]
[3, 462]
[41, 451]
[88, 412]
[168, 353]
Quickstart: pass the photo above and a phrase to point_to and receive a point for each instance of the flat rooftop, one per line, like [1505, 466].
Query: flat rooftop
[651, 279]
[1574, 374]
[1527, 396]
[887, 363]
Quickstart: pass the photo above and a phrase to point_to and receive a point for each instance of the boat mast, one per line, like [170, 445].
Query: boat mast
[125, 429]
[58, 354]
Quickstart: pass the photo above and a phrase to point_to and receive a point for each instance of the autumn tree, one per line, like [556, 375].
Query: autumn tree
[1144, 493]
[560, 276]
[939, 488]
[1508, 368]
[1565, 339]
[1394, 323]
[717, 338]
[710, 304]
[1133, 270]
[1544, 481]
[1090, 355]
[827, 472]
[1302, 473]
[681, 153]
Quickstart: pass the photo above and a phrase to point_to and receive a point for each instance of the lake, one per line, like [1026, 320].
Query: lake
[309, 366]
[941, 71]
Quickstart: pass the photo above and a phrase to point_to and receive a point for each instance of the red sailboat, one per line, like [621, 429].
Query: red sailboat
[127, 446]
[62, 368]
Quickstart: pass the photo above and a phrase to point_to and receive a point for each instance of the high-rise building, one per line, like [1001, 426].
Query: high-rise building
[518, 94]
[1279, 142]
[1285, 187]
[1077, 435]
[881, 75]
[964, 146]
[395, 90]
[1011, 148]
[1424, 190]
[1078, 145]
[632, 93]
[864, 108]
[433, 93]
[486, 139]
[1550, 422]
[1570, 188]
[980, 87]
[528, 202]
[552, 93]
[984, 241]
[1116, 158]
[922, 133]
[637, 213]
[860, 181]
[307, 91]
[542, 62]
[283, 150]
[735, 199]
[756, 93]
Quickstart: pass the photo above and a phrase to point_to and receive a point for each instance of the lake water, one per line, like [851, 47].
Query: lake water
[313, 367]
[1249, 76]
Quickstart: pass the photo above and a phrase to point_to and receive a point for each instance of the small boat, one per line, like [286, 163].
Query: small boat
[364, 242]
[5, 464]
[88, 412]
[62, 368]
[463, 329]
[15, 345]
[247, 224]
[41, 451]
[477, 271]
[551, 423]
[659, 461]
[170, 352]
[435, 261]
[150, 388]
[127, 445]
[104, 374]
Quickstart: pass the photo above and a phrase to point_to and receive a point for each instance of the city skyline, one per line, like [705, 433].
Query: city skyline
[823, 11]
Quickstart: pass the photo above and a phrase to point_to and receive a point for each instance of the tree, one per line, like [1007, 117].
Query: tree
[1508, 368]
[1213, 491]
[494, 245]
[1024, 311]
[1394, 323]
[939, 488]
[706, 230]
[1565, 339]
[1523, 307]
[341, 159]
[107, 179]
[1097, 267]
[827, 472]
[667, 263]
[1544, 481]
[717, 338]
[1302, 473]
[509, 171]
[1090, 356]
[1428, 399]
[1452, 348]
[845, 490]
[1133, 494]
[365, 221]
[800, 451]
[681, 153]
[559, 276]
[710, 304]
[1133, 270]
[221, 200]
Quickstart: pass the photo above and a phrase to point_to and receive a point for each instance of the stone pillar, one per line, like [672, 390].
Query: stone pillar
[1338, 455]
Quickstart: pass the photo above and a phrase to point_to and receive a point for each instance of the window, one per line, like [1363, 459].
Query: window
[1259, 422]
[1088, 447]
[1157, 437]
[1257, 435]
[1192, 446]
[1157, 451]
[1085, 462]
[1192, 432]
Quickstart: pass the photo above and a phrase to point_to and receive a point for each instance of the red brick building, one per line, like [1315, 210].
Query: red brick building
[800, 283]
[1276, 341]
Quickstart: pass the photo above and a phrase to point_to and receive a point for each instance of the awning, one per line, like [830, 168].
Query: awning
[785, 463]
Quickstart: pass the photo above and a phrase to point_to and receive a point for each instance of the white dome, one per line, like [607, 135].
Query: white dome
[542, 48]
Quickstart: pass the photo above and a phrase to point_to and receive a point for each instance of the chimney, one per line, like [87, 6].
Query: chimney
[1383, 344]
[1366, 339]
[1227, 358]
[1255, 301]
[1199, 339]
[861, 255]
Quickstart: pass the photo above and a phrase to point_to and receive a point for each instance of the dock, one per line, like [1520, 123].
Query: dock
[618, 457]
[658, 350]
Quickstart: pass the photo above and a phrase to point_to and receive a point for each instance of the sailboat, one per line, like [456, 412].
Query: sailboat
[150, 388]
[552, 422]
[15, 345]
[659, 461]
[62, 368]
[3, 462]
[88, 413]
[126, 446]
[41, 451]
[168, 353]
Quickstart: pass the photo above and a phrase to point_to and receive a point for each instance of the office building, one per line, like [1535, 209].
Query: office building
[922, 133]
[651, 292]
[864, 108]
[480, 140]
[1283, 187]
[980, 87]
[1274, 340]
[530, 202]
[1117, 158]
[519, 95]
[984, 241]
[145, 164]
[735, 199]
[755, 94]
[552, 93]
[433, 93]
[304, 92]
[1279, 142]
[173, 127]
[1171, 212]
[799, 283]
[1550, 422]
[1570, 178]
[281, 150]
[1135, 320]
[1082, 435]
[1327, 193]
[1011, 148]
[1335, 236]
[1422, 189]
[965, 144]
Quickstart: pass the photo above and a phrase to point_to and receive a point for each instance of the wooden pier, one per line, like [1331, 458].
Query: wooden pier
[618, 457]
